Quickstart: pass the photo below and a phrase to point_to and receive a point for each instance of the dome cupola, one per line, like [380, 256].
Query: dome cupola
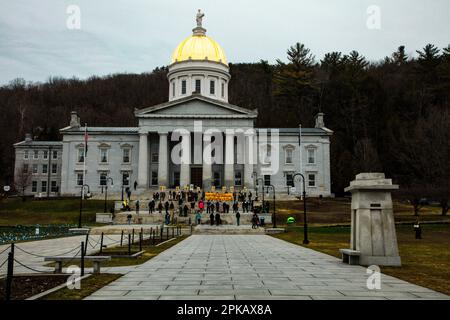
[199, 65]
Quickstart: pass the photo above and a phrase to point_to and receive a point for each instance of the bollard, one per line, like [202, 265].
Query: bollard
[121, 238]
[173, 232]
[101, 243]
[10, 273]
[86, 242]
[140, 241]
[167, 233]
[161, 232]
[132, 238]
[82, 259]
[129, 244]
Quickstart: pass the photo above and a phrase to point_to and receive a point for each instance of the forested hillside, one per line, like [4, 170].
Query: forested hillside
[391, 116]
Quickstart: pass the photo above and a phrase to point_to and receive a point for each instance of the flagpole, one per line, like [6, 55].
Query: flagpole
[84, 162]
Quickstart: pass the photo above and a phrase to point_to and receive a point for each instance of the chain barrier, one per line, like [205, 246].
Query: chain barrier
[6, 249]
[42, 256]
[1, 265]
[29, 268]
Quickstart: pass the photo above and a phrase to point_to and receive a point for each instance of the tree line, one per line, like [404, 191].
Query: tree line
[390, 116]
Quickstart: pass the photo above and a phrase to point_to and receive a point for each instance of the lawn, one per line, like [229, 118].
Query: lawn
[13, 211]
[88, 286]
[425, 262]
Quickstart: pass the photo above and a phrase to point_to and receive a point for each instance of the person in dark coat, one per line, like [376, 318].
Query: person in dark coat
[166, 206]
[185, 210]
[218, 221]
[238, 217]
[211, 218]
[160, 207]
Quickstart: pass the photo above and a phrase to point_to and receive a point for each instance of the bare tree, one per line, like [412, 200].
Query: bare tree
[23, 180]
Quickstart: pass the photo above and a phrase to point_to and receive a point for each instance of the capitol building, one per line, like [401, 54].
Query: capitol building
[196, 139]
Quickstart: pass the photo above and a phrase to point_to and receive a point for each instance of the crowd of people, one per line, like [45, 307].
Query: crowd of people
[184, 203]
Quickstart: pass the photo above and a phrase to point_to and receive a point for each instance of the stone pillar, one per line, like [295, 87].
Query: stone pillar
[229, 159]
[163, 161]
[373, 235]
[185, 166]
[207, 165]
[143, 161]
[249, 159]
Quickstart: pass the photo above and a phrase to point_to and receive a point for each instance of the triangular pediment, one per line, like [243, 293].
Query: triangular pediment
[195, 105]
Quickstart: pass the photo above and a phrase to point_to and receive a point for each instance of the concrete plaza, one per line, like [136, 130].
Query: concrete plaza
[205, 267]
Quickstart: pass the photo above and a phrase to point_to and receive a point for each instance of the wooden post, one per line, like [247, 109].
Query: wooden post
[10, 273]
[129, 244]
[101, 243]
[82, 258]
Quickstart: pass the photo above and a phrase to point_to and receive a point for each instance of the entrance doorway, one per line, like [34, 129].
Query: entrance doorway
[197, 176]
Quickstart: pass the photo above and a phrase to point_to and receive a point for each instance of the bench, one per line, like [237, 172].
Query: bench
[96, 260]
[350, 256]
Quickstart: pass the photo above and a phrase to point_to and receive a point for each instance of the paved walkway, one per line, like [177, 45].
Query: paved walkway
[251, 267]
[31, 253]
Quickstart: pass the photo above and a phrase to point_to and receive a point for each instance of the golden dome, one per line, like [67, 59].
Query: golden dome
[199, 47]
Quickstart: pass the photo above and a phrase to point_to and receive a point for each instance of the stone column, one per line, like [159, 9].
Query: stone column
[249, 159]
[143, 161]
[185, 166]
[163, 162]
[207, 165]
[229, 159]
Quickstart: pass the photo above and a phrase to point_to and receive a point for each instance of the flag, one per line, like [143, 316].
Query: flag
[86, 137]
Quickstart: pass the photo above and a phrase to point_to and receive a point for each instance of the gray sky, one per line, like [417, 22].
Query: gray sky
[138, 35]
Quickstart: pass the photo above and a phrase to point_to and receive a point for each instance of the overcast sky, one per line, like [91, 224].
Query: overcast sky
[136, 36]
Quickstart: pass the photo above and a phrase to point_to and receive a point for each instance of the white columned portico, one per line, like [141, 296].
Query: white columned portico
[185, 166]
[162, 160]
[250, 159]
[207, 163]
[143, 160]
[229, 159]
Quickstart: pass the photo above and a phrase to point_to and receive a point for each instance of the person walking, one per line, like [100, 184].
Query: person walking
[198, 218]
[137, 206]
[211, 218]
[218, 221]
[238, 218]
[167, 218]
[166, 206]
[129, 218]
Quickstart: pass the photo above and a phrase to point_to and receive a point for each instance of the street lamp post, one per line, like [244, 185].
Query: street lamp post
[106, 191]
[305, 222]
[81, 202]
[274, 216]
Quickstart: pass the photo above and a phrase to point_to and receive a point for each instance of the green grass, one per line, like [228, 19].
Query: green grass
[88, 286]
[13, 211]
[425, 262]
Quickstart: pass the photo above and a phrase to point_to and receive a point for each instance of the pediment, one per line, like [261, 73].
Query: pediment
[195, 106]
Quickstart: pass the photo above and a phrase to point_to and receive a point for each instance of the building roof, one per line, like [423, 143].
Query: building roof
[34, 143]
[100, 130]
[305, 131]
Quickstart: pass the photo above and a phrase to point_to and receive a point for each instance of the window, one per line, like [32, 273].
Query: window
[55, 155]
[268, 154]
[155, 157]
[311, 180]
[103, 177]
[267, 180]
[126, 178]
[126, 155]
[79, 179]
[36, 154]
[25, 168]
[80, 154]
[212, 87]
[288, 154]
[103, 155]
[154, 178]
[54, 168]
[223, 90]
[289, 180]
[198, 86]
[45, 155]
[311, 156]
[44, 168]
[54, 187]
[35, 168]
[26, 154]
[33, 186]
[183, 87]
[238, 178]
[43, 186]
[173, 89]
